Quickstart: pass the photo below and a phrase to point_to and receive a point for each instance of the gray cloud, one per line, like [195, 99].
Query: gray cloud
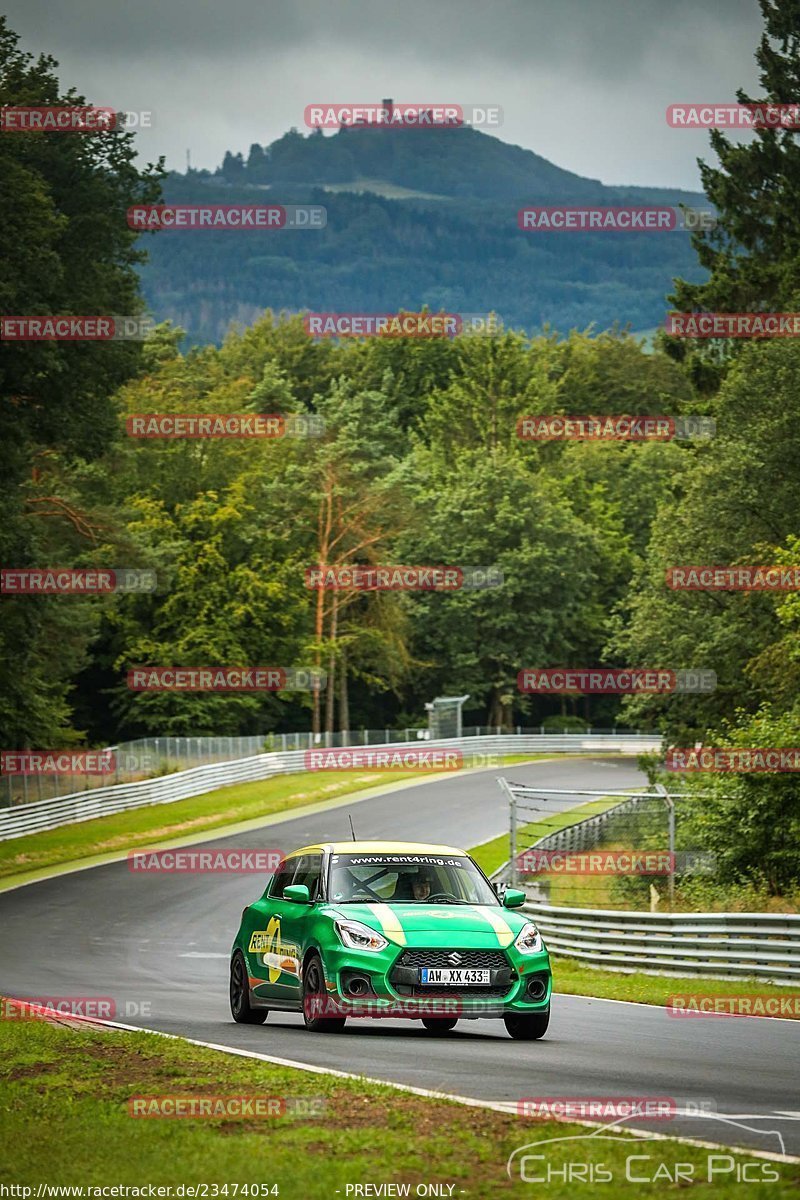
[583, 82]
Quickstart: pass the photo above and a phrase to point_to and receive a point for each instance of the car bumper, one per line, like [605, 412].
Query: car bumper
[523, 986]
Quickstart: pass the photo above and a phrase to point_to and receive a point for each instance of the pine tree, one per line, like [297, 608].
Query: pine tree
[753, 255]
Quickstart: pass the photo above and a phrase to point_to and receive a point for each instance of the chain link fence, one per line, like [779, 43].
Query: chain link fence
[630, 853]
[149, 758]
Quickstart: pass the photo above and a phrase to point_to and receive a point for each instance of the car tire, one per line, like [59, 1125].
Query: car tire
[527, 1027]
[314, 990]
[241, 1010]
[439, 1024]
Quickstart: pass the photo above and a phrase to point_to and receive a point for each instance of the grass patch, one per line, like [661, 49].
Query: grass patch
[576, 979]
[196, 816]
[632, 893]
[65, 1093]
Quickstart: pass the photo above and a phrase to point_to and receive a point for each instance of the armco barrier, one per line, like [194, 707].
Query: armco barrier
[763, 946]
[101, 802]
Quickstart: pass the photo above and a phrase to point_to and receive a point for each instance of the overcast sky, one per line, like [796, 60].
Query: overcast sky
[583, 82]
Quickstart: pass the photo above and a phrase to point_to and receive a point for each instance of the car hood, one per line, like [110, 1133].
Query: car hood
[469, 925]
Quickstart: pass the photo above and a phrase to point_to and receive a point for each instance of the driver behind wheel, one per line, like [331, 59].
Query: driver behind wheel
[422, 885]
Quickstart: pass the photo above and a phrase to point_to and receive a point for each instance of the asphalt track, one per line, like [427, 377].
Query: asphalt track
[158, 944]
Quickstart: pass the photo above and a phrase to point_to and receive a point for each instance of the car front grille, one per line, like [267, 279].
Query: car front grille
[404, 976]
[471, 959]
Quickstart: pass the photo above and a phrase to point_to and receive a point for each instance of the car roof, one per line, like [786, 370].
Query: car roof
[377, 847]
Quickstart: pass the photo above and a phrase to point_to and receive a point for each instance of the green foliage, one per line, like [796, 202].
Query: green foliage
[753, 255]
[733, 501]
[751, 821]
[65, 248]
[559, 724]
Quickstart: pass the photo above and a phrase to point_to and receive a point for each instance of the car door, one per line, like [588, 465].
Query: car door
[268, 945]
[295, 917]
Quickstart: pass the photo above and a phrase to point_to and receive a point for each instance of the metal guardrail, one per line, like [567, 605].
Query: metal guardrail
[149, 757]
[84, 806]
[763, 946]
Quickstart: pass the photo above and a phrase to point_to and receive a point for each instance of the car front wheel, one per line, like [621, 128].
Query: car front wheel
[316, 1000]
[527, 1027]
[241, 1009]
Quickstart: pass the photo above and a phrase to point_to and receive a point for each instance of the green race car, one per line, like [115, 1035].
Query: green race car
[387, 929]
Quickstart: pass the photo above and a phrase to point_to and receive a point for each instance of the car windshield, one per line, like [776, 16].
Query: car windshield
[407, 879]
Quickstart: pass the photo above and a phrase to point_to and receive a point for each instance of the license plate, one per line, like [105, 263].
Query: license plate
[453, 977]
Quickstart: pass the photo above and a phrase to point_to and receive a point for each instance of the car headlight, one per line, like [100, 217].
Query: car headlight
[356, 936]
[528, 940]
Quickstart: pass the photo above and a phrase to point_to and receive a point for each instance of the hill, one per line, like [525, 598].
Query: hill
[414, 218]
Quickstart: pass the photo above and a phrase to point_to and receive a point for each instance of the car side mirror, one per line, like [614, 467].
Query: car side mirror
[513, 898]
[298, 893]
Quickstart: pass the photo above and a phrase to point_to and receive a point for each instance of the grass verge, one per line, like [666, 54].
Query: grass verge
[575, 979]
[184, 819]
[65, 1094]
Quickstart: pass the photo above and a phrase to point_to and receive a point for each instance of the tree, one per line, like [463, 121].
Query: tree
[749, 820]
[350, 479]
[65, 247]
[483, 498]
[735, 502]
[233, 167]
[753, 254]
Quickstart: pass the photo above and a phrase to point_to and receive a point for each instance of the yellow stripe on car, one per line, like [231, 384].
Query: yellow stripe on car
[505, 934]
[389, 923]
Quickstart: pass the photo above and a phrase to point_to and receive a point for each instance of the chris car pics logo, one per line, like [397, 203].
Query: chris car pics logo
[590, 1158]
